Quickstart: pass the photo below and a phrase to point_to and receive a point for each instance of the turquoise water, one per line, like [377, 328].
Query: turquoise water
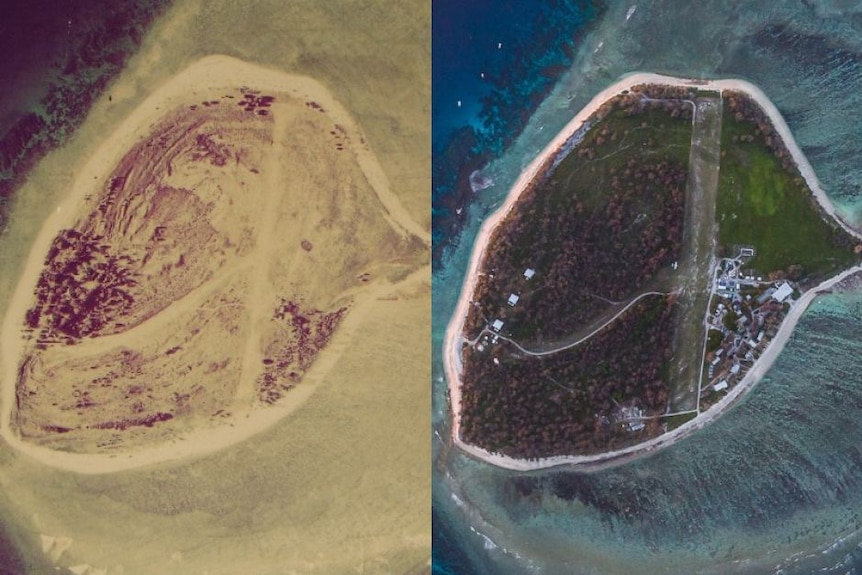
[776, 484]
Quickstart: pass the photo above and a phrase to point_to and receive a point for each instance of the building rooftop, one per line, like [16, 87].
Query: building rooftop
[782, 292]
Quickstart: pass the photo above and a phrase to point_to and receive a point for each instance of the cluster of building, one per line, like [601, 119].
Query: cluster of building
[631, 418]
[491, 334]
[748, 312]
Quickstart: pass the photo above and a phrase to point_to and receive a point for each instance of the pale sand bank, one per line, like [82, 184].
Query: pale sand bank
[453, 339]
[209, 73]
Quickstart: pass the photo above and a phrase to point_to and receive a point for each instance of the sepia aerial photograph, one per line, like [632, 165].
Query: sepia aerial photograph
[215, 287]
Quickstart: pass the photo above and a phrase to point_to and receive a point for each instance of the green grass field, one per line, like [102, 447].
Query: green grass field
[762, 204]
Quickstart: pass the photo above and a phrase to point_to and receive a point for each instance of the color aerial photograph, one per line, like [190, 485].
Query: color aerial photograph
[215, 287]
[647, 287]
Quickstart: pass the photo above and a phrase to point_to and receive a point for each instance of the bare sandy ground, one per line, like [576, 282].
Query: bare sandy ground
[340, 485]
[454, 338]
[213, 73]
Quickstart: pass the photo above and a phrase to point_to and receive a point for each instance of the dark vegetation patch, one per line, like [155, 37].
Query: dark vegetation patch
[84, 290]
[569, 402]
[597, 227]
[308, 331]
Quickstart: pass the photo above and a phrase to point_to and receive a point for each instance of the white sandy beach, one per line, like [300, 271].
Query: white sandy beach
[453, 339]
[209, 72]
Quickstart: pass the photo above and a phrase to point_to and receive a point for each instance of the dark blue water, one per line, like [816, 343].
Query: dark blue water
[493, 63]
[472, 43]
[448, 558]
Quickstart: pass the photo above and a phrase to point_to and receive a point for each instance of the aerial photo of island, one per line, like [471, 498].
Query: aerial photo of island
[648, 289]
[215, 266]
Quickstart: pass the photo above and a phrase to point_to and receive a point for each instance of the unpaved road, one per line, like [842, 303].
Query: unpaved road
[698, 248]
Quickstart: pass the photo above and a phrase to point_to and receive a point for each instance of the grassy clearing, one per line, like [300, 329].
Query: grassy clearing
[674, 421]
[762, 204]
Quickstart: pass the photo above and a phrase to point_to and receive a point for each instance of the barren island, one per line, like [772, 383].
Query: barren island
[644, 272]
[208, 259]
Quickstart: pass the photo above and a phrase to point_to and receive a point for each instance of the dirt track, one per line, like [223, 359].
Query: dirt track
[699, 240]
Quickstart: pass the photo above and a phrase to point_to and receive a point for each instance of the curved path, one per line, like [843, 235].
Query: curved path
[454, 339]
[578, 342]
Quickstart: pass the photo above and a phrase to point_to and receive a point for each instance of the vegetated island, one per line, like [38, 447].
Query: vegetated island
[210, 254]
[644, 272]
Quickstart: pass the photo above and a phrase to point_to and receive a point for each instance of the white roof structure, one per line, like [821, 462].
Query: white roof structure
[636, 425]
[720, 385]
[529, 272]
[782, 292]
[497, 325]
[735, 369]
[513, 299]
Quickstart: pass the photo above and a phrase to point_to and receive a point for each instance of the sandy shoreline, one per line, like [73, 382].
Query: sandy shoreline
[453, 339]
[206, 74]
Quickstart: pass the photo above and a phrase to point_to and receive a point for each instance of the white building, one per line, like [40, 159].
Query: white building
[513, 299]
[721, 385]
[735, 369]
[783, 291]
[497, 325]
[529, 273]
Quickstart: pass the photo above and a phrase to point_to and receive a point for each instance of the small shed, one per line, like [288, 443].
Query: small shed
[529, 273]
[513, 299]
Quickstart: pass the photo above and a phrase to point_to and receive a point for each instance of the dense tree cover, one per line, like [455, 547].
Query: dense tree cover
[596, 227]
[565, 402]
